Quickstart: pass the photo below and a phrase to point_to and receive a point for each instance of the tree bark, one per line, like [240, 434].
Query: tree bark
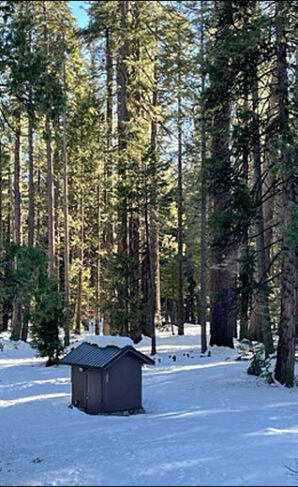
[156, 271]
[78, 317]
[270, 178]
[50, 200]
[17, 305]
[154, 213]
[1, 193]
[31, 170]
[255, 328]
[98, 262]
[180, 217]
[122, 230]
[151, 287]
[203, 187]
[260, 239]
[7, 302]
[66, 226]
[285, 363]
[245, 291]
[134, 253]
[38, 226]
[109, 237]
[222, 283]
[16, 184]
[66, 251]
[31, 203]
[50, 177]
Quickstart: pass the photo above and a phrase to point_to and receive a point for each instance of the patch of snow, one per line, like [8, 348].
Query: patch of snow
[207, 423]
[104, 341]
[11, 349]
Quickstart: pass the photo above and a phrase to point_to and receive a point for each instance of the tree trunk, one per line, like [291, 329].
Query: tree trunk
[151, 287]
[98, 263]
[154, 218]
[17, 305]
[245, 292]
[285, 363]
[109, 231]
[50, 200]
[260, 240]
[31, 172]
[255, 328]
[56, 184]
[156, 270]
[134, 274]
[38, 226]
[17, 192]
[30, 112]
[78, 317]
[296, 196]
[1, 193]
[222, 283]
[7, 302]
[245, 278]
[137, 235]
[66, 226]
[16, 320]
[122, 230]
[270, 179]
[50, 177]
[203, 257]
[180, 219]
[10, 216]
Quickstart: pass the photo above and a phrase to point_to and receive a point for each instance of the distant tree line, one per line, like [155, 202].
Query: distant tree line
[149, 160]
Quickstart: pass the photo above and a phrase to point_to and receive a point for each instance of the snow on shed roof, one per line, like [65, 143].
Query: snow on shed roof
[87, 355]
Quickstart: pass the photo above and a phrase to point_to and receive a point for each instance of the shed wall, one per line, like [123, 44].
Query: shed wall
[123, 385]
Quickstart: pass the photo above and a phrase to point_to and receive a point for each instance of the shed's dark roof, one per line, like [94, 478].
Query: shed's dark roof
[89, 355]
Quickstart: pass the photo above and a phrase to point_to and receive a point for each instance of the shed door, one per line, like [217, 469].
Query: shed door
[78, 387]
[93, 392]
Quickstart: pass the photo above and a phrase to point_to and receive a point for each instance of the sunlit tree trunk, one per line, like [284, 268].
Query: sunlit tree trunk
[203, 187]
[122, 229]
[50, 174]
[17, 305]
[180, 217]
[65, 224]
[78, 315]
[222, 255]
[260, 238]
[285, 363]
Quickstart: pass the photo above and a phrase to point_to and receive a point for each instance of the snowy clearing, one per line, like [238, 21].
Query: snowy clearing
[207, 423]
[104, 341]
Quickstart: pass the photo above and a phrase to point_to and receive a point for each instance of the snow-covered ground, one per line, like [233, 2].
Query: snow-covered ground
[207, 423]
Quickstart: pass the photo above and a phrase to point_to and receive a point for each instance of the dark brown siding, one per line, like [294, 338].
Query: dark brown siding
[123, 385]
[78, 387]
[94, 392]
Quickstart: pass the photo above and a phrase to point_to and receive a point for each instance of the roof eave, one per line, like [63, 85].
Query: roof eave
[128, 349]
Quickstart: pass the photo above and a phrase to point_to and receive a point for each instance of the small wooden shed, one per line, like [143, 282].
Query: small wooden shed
[106, 379]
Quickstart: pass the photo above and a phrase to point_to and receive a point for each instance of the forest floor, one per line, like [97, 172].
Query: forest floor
[207, 423]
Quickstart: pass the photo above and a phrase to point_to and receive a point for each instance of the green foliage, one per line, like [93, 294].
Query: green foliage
[291, 232]
[247, 267]
[260, 365]
[23, 277]
[47, 317]
[122, 309]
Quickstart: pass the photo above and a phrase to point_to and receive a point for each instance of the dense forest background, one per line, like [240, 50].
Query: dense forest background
[148, 171]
